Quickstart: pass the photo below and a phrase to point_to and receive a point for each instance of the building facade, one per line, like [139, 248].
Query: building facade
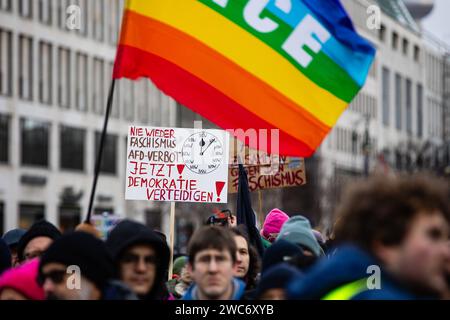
[399, 119]
[56, 64]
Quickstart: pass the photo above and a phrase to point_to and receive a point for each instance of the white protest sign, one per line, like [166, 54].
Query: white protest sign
[177, 164]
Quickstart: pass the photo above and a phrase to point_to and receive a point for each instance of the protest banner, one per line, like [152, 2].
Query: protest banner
[264, 171]
[177, 164]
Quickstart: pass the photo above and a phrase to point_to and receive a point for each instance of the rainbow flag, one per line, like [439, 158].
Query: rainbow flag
[292, 65]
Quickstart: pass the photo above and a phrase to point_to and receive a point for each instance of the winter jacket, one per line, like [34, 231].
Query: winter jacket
[345, 276]
[238, 291]
[117, 290]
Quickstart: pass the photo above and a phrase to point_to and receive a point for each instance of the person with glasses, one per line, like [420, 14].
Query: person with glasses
[142, 259]
[212, 264]
[78, 266]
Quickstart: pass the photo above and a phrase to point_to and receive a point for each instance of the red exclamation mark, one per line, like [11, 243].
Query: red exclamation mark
[180, 168]
[219, 188]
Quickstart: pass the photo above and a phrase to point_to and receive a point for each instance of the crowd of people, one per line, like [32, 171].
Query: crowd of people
[390, 241]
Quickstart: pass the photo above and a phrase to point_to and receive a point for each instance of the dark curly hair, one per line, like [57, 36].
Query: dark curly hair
[383, 208]
[255, 262]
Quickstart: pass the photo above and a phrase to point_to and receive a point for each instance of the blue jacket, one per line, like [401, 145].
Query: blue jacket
[348, 265]
[238, 291]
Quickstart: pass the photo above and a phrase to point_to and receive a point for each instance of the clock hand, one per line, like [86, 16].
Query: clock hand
[202, 144]
[210, 143]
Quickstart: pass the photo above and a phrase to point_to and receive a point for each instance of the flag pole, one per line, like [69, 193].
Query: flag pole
[100, 150]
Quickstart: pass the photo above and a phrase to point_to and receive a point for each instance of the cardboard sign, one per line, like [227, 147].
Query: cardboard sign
[176, 164]
[290, 172]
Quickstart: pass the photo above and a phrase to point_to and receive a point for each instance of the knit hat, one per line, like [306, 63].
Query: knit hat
[85, 251]
[13, 236]
[298, 231]
[179, 264]
[280, 251]
[23, 280]
[273, 223]
[277, 277]
[5, 256]
[41, 228]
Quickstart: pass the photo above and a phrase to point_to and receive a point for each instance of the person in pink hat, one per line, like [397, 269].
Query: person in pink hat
[20, 283]
[273, 223]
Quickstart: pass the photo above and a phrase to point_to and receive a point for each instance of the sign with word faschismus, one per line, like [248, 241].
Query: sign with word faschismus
[177, 164]
[289, 172]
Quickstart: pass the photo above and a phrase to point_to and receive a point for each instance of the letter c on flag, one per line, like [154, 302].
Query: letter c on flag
[254, 9]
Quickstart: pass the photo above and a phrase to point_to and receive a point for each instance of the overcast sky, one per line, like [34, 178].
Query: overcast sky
[438, 21]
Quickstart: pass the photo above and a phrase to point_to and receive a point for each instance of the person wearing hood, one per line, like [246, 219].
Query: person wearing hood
[78, 266]
[273, 223]
[283, 251]
[212, 264]
[12, 238]
[36, 240]
[142, 259]
[20, 283]
[297, 230]
[392, 244]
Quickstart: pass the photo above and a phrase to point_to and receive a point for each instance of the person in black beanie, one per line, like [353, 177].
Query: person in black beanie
[36, 240]
[142, 259]
[274, 281]
[78, 266]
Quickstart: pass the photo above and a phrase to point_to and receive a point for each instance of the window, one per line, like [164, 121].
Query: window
[382, 33]
[128, 99]
[408, 106]
[25, 68]
[386, 96]
[142, 101]
[45, 73]
[72, 148]
[115, 111]
[398, 101]
[112, 22]
[35, 144]
[416, 53]
[81, 70]
[2, 219]
[29, 214]
[64, 78]
[5, 5]
[419, 111]
[109, 156]
[45, 11]
[26, 8]
[373, 70]
[405, 46]
[69, 218]
[98, 18]
[6, 63]
[61, 14]
[4, 138]
[395, 40]
[84, 16]
[98, 93]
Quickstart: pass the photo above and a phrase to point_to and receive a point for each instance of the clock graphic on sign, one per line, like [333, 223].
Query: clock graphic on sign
[202, 152]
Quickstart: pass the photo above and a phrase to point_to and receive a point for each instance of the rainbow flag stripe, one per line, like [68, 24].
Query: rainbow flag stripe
[292, 65]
